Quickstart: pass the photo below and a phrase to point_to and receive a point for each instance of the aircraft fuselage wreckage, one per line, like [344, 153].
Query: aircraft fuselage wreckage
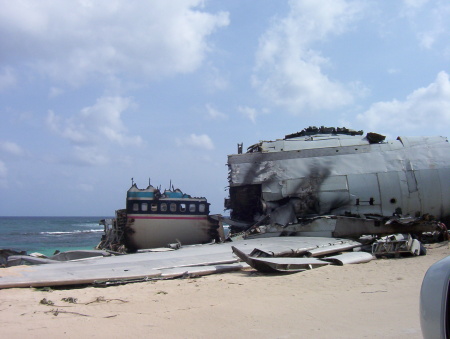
[340, 183]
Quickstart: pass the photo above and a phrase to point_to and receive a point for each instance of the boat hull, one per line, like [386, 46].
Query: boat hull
[150, 231]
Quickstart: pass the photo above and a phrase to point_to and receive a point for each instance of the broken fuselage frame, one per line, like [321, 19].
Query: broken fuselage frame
[340, 172]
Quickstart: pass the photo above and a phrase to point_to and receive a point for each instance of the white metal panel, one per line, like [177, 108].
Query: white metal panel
[444, 177]
[334, 183]
[292, 187]
[272, 190]
[310, 144]
[390, 191]
[410, 201]
[420, 141]
[353, 141]
[429, 185]
[394, 144]
[363, 188]
[333, 202]
[333, 194]
[273, 146]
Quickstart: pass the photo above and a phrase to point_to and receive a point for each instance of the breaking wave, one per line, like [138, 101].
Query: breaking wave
[98, 230]
[88, 224]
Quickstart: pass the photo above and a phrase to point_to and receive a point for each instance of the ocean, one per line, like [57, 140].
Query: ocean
[48, 234]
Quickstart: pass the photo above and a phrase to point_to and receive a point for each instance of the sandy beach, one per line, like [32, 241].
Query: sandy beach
[379, 299]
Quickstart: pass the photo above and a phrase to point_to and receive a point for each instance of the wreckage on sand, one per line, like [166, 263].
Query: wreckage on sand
[333, 195]
[329, 182]
[338, 182]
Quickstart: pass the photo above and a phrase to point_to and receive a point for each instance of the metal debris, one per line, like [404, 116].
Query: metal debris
[398, 244]
[279, 264]
[349, 258]
[33, 259]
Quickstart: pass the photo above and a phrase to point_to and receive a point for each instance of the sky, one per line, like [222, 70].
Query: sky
[95, 93]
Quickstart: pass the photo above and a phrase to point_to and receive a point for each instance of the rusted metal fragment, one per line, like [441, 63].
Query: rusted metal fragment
[349, 258]
[375, 138]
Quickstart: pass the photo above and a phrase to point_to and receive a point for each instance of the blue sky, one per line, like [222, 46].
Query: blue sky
[94, 93]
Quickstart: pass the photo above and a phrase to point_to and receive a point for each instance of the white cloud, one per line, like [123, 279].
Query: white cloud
[414, 3]
[430, 21]
[11, 148]
[215, 114]
[288, 71]
[91, 155]
[55, 92]
[7, 78]
[215, 80]
[93, 123]
[393, 71]
[428, 106]
[198, 141]
[71, 41]
[248, 112]
[95, 128]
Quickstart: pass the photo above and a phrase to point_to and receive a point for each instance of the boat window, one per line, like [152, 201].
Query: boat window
[144, 206]
[182, 207]
[154, 207]
[135, 207]
[201, 208]
[192, 208]
[163, 207]
[173, 207]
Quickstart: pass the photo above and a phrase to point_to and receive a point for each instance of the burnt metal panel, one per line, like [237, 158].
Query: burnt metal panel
[333, 194]
[245, 202]
[273, 190]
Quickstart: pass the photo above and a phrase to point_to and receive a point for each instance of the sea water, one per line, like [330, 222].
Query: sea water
[48, 234]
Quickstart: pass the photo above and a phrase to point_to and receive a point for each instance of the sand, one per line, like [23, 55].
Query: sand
[379, 299]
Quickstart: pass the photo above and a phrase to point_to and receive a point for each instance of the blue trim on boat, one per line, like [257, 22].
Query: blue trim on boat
[176, 195]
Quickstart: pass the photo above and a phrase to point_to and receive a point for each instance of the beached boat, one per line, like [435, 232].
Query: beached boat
[154, 219]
